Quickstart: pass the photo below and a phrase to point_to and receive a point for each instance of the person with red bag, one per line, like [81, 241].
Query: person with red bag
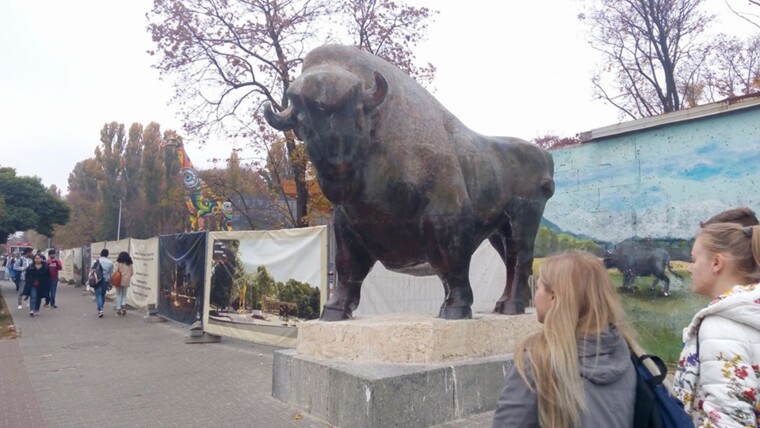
[121, 279]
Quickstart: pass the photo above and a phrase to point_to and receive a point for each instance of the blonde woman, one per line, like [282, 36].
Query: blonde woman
[719, 369]
[124, 266]
[577, 371]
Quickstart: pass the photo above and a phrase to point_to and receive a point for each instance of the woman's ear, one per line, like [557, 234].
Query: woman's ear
[718, 263]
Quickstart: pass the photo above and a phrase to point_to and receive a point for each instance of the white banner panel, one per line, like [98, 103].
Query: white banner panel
[79, 269]
[114, 248]
[67, 275]
[385, 292]
[288, 254]
[143, 289]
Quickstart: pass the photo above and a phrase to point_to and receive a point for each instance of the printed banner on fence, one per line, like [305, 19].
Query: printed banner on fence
[67, 275]
[261, 284]
[143, 288]
[181, 276]
[114, 248]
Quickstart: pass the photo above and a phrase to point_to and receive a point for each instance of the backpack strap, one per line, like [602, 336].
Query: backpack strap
[661, 368]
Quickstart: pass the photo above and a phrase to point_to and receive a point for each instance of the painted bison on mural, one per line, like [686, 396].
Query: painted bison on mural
[412, 186]
[632, 261]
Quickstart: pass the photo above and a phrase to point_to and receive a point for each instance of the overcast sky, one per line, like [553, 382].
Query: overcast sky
[66, 68]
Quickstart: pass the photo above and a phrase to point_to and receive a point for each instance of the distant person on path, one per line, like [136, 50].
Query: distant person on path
[741, 215]
[717, 376]
[9, 271]
[103, 285]
[55, 266]
[577, 371]
[22, 263]
[124, 266]
[37, 279]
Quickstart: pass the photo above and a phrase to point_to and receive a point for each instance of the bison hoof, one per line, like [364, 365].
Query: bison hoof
[510, 307]
[333, 314]
[458, 313]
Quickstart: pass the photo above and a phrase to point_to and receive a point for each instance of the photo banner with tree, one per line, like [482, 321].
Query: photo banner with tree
[262, 284]
[181, 276]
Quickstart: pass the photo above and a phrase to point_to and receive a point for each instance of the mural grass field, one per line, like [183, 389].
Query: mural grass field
[658, 320]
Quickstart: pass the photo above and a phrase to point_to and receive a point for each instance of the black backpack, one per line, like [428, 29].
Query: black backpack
[96, 275]
[655, 407]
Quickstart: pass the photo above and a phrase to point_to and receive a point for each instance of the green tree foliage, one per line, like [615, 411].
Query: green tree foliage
[26, 204]
[549, 242]
[261, 285]
[300, 293]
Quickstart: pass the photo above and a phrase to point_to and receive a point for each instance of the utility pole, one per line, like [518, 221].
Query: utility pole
[118, 228]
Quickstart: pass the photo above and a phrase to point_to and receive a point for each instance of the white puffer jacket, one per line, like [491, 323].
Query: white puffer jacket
[719, 370]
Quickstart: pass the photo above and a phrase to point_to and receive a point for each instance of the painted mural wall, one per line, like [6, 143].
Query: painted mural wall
[657, 183]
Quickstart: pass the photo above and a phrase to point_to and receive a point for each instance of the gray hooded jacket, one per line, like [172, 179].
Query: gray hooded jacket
[609, 385]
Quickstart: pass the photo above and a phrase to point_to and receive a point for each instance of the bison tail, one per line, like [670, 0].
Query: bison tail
[676, 274]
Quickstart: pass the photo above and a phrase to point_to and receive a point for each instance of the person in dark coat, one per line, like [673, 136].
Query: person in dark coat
[38, 280]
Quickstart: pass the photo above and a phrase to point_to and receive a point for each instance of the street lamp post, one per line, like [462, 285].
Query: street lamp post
[118, 228]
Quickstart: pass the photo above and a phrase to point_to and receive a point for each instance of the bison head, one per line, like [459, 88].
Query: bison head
[331, 111]
[609, 259]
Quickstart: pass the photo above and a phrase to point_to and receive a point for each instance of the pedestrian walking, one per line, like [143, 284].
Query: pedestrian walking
[37, 278]
[22, 263]
[10, 271]
[55, 266]
[125, 269]
[104, 284]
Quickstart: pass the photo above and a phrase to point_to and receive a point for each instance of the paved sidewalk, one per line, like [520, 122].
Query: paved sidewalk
[69, 368]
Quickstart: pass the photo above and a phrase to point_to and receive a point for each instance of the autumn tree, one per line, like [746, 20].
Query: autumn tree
[391, 31]
[152, 182]
[749, 10]
[228, 58]
[552, 142]
[735, 67]
[109, 154]
[86, 210]
[654, 52]
[26, 204]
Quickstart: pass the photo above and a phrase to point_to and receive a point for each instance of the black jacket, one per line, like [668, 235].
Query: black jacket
[38, 277]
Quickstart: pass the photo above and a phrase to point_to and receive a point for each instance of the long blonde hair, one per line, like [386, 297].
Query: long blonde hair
[584, 303]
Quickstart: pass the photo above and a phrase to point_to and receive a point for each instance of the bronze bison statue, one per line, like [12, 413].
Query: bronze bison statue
[413, 187]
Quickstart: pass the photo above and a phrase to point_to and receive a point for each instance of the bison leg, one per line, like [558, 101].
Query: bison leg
[525, 219]
[352, 263]
[449, 248]
[665, 281]
[506, 248]
[458, 302]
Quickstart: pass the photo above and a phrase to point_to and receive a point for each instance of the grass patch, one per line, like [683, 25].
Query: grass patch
[7, 329]
[658, 320]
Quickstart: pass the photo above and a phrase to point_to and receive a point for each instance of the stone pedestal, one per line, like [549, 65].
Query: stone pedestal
[399, 370]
